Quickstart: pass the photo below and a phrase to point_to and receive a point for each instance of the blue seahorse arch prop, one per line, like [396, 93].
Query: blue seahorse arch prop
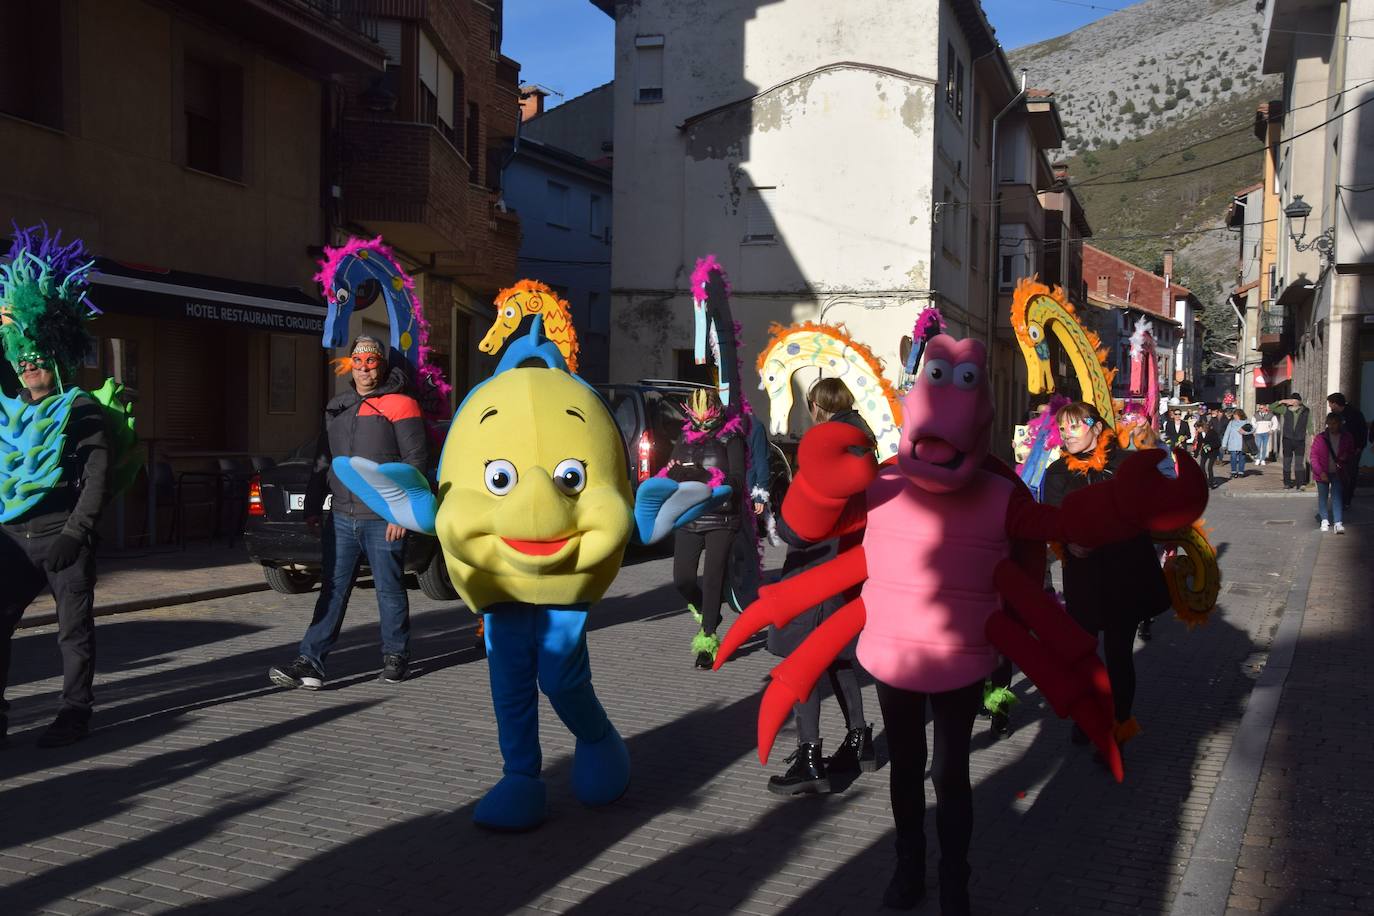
[352, 277]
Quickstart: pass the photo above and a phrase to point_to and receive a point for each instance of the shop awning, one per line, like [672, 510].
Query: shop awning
[129, 289]
[1276, 374]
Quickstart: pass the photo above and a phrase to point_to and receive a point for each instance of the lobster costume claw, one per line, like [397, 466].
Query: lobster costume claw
[1137, 499]
[835, 463]
[1059, 657]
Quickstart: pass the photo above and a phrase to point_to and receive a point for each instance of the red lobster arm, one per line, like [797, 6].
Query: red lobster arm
[795, 676]
[777, 604]
[1136, 500]
[820, 502]
[1058, 655]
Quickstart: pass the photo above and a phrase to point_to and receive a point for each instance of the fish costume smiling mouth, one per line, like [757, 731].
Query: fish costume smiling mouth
[533, 514]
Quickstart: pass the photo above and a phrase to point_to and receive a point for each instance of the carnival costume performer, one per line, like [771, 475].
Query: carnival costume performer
[533, 514]
[829, 399]
[55, 465]
[940, 528]
[1109, 589]
[711, 450]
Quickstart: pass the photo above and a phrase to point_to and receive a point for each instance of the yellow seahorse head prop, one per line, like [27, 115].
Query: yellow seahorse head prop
[529, 298]
[837, 355]
[1038, 311]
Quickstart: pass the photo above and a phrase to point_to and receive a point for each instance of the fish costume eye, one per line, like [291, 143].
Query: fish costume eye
[570, 476]
[500, 477]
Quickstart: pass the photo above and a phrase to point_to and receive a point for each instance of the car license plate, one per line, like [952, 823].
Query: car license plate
[297, 502]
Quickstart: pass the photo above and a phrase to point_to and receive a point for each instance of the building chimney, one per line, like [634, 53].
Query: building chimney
[1168, 263]
[1061, 172]
[1102, 285]
[531, 102]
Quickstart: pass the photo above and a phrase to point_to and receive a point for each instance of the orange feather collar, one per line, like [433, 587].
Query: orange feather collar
[1096, 460]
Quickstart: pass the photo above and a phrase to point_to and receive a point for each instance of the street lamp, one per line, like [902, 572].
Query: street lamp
[1297, 212]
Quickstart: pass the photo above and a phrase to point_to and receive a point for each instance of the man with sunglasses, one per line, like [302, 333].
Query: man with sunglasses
[376, 419]
[53, 544]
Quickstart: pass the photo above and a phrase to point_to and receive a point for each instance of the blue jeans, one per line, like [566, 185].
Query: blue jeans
[1262, 446]
[1334, 489]
[1238, 462]
[346, 542]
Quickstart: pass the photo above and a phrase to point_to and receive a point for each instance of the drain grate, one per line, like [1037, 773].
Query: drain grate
[1280, 522]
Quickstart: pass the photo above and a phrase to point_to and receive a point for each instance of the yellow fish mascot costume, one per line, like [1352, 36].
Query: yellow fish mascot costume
[533, 513]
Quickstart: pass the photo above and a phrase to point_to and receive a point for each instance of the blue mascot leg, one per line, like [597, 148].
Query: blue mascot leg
[601, 763]
[518, 801]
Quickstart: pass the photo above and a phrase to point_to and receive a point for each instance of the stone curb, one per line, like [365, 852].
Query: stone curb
[151, 602]
[1206, 886]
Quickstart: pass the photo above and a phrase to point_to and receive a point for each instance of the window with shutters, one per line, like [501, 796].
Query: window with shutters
[212, 102]
[758, 215]
[649, 68]
[31, 61]
[596, 216]
[556, 205]
[474, 138]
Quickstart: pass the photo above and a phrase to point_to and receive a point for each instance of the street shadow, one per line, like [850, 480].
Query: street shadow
[142, 644]
[108, 791]
[457, 867]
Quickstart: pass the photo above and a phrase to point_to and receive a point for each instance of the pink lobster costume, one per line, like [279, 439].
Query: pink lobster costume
[952, 541]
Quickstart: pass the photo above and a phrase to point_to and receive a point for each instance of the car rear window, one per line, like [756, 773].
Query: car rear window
[622, 404]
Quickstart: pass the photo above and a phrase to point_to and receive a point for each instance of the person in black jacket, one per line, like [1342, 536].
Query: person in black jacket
[1112, 589]
[53, 544]
[711, 449]
[1293, 424]
[828, 400]
[379, 421]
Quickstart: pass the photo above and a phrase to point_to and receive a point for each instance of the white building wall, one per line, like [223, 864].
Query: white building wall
[833, 106]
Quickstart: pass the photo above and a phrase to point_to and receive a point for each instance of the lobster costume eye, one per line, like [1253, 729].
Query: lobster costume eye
[938, 371]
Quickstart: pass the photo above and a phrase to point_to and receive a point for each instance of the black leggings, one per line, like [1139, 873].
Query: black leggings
[845, 685]
[1209, 464]
[904, 720]
[687, 549]
[1118, 645]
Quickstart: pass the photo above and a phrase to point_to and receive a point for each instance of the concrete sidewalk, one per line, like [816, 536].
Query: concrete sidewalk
[137, 580]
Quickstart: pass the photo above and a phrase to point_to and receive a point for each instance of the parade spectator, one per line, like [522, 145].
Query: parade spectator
[377, 420]
[1210, 437]
[1233, 441]
[829, 399]
[53, 545]
[1264, 424]
[1293, 426]
[1175, 430]
[1352, 422]
[1333, 450]
[711, 449]
[1112, 589]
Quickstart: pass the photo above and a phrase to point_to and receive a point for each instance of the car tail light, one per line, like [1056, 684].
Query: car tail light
[255, 506]
[646, 449]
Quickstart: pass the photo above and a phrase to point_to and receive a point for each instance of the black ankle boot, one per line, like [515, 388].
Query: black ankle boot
[855, 753]
[908, 884]
[954, 889]
[806, 775]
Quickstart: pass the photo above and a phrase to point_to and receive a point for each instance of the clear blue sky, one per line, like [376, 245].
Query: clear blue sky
[568, 45]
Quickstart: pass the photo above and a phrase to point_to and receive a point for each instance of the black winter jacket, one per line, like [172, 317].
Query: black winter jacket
[73, 507]
[694, 461]
[1116, 585]
[385, 425]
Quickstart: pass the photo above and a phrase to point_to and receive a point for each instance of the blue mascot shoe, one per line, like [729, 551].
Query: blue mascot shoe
[601, 769]
[515, 803]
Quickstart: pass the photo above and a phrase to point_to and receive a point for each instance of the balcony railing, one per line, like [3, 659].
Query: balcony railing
[351, 14]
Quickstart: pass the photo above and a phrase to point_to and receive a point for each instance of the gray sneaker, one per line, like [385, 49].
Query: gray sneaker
[394, 668]
[300, 673]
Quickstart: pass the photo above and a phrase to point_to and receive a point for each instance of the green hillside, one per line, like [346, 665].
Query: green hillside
[1112, 184]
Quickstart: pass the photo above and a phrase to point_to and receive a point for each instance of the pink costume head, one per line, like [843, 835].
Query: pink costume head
[947, 416]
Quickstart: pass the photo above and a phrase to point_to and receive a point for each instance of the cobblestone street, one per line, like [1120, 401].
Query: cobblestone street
[205, 789]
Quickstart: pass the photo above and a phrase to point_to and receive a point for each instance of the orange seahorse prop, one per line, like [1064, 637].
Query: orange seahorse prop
[529, 298]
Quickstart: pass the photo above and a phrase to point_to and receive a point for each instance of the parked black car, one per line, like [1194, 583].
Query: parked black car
[650, 414]
[291, 556]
